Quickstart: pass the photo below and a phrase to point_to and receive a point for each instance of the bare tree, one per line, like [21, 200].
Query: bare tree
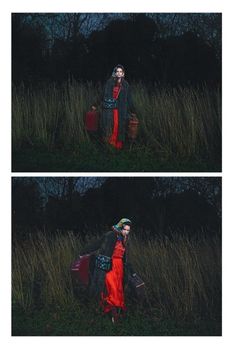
[208, 26]
[65, 187]
[209, 188]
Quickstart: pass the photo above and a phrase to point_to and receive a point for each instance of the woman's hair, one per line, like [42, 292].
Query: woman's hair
[126, 224]
[115, 69]
[120, 66]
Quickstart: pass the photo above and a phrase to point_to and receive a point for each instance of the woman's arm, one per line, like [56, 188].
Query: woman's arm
[131, 108]
[107, 89]
[127, 265]
[92, 246]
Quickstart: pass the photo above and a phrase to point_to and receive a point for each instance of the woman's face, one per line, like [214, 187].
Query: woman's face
[119, 73]
[125, 231]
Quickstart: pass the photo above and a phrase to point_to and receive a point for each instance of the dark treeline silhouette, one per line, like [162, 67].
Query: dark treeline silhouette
[157, 206]
[152, 47]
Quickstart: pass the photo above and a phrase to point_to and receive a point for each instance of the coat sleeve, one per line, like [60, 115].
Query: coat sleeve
[131, 108]
[93, 246]
[129, 270]
[107, 90]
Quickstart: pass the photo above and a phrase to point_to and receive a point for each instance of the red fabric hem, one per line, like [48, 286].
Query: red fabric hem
[107, 307]
[113, 297]
[113, 139]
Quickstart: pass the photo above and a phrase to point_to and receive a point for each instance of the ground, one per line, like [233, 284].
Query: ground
[85, 320]
[103, 159]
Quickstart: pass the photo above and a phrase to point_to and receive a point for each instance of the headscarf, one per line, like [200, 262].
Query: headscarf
[119, 226]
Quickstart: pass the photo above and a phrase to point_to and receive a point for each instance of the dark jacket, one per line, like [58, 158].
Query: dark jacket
[125, 106]
[105, 246]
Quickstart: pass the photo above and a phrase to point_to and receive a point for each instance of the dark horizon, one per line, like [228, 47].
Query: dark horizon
[159, 205]
[170, 48]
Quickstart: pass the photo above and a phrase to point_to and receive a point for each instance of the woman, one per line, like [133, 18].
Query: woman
[109, 268]
[117, 104]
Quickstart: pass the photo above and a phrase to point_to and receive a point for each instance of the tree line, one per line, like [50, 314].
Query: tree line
[158, 48]
[155, 205]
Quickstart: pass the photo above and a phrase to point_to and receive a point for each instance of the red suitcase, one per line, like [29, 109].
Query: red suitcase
[92, 121]
[133, 128]
[80, 270]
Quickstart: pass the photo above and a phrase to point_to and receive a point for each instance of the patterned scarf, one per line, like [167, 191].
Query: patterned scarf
[118, 227]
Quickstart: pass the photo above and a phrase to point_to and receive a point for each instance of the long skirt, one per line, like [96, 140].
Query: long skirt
[114, 294]
[114, 138]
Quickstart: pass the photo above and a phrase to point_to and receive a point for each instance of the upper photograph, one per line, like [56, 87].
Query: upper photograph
[116, 92]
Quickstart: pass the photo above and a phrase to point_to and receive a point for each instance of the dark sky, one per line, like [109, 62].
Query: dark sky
[208, 187]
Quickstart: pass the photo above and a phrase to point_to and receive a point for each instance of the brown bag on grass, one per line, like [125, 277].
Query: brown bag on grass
[133, 128]
[137, 286]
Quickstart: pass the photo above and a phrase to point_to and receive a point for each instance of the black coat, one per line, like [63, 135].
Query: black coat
[105, 246]
[125, 107]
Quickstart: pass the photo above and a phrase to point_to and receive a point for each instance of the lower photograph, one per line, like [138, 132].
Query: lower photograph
[116, 256]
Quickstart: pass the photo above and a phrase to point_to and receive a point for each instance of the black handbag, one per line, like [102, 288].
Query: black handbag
[110, 103]
[103, 262]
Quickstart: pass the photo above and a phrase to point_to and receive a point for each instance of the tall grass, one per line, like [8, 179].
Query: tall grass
[41, 270]
[183, 121]
[50, 114]
[182, 276]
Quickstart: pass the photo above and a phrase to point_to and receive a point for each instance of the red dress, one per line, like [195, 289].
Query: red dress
[114, 296]
[114, 138]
